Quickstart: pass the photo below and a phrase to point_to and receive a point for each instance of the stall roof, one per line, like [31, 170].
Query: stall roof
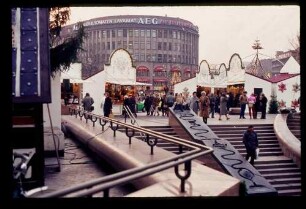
[130, 83]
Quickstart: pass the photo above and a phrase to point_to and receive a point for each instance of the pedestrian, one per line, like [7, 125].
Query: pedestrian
[194, 103]
[87, 102]
[243, 99]
[108, 105]
[212, 100]
[251, 105]
[204, 106]
[223, 106]
[263, 105]
[250, 142]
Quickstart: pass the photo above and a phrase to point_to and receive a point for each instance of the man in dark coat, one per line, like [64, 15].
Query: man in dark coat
[250, 141]
[108, 106]
[263, 105]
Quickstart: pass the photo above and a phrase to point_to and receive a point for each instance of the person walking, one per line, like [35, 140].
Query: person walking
[87, 102]
[250, 142]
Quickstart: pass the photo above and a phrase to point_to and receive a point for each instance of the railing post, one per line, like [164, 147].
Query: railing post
[186, 176]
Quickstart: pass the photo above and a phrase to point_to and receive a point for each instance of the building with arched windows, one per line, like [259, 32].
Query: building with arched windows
[164, 50]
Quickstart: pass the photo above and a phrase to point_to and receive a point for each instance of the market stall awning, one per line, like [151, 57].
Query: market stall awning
[130, 83]
[142, 68]
[159, 68]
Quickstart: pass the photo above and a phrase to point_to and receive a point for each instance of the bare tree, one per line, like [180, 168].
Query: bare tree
[295, 43]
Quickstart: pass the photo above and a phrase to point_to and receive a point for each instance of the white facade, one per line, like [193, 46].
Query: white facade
[190, 84]
[120, 71]
[55, 105]
[235, 74]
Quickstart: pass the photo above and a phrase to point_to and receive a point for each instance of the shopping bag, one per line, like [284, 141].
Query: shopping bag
[257, 153]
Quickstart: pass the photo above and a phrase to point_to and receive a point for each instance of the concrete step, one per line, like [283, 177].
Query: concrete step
[278, 170]
[290, 192]
[285, 180]
[282, 175]
[275, 165]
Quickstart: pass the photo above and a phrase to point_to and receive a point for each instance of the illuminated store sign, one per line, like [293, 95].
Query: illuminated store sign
[140, 20]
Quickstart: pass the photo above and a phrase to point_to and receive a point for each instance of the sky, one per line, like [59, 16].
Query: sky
[223, 30]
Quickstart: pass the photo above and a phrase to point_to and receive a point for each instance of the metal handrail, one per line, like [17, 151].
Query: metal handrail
[134, 120]
[105, 183]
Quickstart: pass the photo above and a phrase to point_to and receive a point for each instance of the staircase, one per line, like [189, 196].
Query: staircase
[279, 170]
[294, 124]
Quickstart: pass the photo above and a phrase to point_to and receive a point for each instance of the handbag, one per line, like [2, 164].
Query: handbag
[92, 108]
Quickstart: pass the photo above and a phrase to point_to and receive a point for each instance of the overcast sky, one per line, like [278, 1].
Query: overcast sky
[223, 30]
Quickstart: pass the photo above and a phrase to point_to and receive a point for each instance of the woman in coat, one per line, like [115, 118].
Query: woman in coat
[223, 106]
[204, 106]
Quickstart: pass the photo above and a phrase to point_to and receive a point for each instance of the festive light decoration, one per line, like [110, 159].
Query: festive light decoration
[282, 103]
[282, 87]
[296, 87]
[295, 103]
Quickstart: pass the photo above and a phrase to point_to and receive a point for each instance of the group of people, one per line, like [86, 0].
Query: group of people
[255, 104]
[106, 104]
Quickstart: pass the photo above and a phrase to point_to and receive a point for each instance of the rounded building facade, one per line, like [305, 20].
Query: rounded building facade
[164, 50]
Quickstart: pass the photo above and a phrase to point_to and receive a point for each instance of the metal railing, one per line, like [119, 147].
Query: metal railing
[104, 184]
[133, 120]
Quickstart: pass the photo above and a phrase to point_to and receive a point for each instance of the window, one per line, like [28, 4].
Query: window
[120, 33]
[108, 45]
[103, 46]
[153, 32]
[136, 57]
[108, 33]
[174, 34]
[113, 45]
[136, 45]
[170, 46]
[148, 45]
[165, 33]
[124, 32]
[130, 32]
[153, 44]
[113, 33]
[165, 58]
[142, 57]
[159, 46]
[170, 58]
[142, 45]
[164, 46]
[153, 58]
[136, 33]
[104, 34]
[160, 33]
[130, 44]
[148, 34]
[159, 58]
[142, 33]
[119, 44]
[148, 58]
[124, 44]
